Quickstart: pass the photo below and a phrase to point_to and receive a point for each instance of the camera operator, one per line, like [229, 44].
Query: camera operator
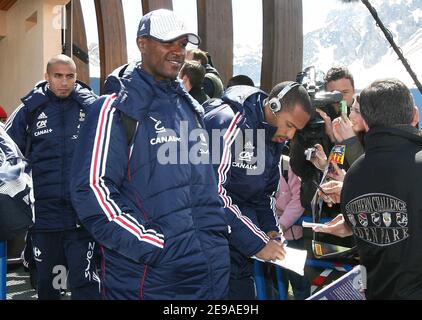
[317, 139]
[315, 133]
[337, 79]
[343, 130]
[340, 79]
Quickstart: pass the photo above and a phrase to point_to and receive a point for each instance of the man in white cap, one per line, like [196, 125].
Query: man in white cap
[162, 228]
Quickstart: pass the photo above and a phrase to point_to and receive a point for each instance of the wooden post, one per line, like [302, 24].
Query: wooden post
[79, 48]
[150, 5]
[282, 44]
[111, 36]
[215, 27]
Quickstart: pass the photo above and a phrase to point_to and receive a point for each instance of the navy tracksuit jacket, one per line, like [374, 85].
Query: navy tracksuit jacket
[247, 174]
[161, 225]
[57, 239]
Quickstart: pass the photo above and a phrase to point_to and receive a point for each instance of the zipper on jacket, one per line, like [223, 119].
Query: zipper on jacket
[63, 151]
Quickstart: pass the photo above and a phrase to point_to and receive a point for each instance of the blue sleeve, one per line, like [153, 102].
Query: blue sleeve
[265, 207]
[16, 127]
[266, 214]
[98, 170]
[265, 202]
[222, 130]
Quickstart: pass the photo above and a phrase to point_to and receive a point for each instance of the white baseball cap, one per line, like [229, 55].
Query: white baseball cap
[165, 26]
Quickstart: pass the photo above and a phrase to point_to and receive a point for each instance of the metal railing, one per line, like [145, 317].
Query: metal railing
[316, 263]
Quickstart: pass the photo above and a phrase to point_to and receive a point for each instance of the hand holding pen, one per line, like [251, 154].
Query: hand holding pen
[277, 236]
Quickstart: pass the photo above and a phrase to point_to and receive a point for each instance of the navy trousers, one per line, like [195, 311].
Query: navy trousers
[66, 259]
[242, 283]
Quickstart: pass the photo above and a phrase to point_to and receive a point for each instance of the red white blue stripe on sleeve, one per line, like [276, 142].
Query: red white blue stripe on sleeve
[225, 164]
[100, 188]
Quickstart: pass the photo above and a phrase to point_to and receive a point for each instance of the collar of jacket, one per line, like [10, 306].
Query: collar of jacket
[166, 87]
[41, 94]
[136, 89]
[160, 87]
[253, 113]
[391, 136]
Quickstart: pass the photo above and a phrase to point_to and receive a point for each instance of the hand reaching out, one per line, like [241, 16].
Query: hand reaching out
[342, 128]
[328, 124]
[337, 227]
[333, 190]
[338, 173]
[319, 159]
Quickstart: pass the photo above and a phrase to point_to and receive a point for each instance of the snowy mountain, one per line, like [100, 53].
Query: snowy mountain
[350, 37]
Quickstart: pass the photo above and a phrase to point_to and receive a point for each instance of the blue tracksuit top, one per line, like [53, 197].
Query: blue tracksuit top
[245, 185]
[53, 136]
[162, 227]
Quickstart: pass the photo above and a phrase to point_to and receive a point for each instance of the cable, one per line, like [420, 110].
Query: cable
[390, 39]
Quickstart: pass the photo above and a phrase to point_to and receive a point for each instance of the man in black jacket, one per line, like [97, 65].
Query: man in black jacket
[381, 199]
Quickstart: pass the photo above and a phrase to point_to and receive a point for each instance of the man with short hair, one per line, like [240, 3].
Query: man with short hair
[192, 74]
[337, 79]
[320, 135]
[158, 217]
[198, 55]
[257, 126]
[340, 79]
[340, 129]
[240, 80]
[213, 85]
[380, 199]
[46, 128]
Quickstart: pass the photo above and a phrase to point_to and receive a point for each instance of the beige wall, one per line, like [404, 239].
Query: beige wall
[2, 24]
[24, 52]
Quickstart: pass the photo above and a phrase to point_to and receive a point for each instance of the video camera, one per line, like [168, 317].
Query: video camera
[314, 83]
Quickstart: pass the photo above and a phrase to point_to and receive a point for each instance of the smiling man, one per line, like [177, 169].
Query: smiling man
[256, 126]
[163, 230]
